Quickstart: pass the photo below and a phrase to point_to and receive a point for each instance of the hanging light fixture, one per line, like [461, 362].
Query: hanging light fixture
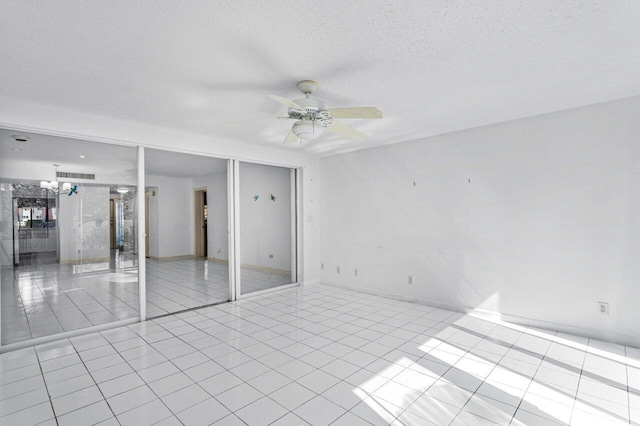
[51, 185]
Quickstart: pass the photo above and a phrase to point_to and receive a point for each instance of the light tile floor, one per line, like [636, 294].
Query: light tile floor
[321, 355]
[46, 298]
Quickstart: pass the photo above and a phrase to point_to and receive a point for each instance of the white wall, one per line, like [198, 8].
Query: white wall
[172, 228]
[265, 225]
[217, 205]
[536, 218]
[83, 223]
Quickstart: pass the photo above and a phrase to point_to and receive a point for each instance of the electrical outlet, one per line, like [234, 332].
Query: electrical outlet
[410, 280]
[337, 269]
[603, 308]
[355, 272]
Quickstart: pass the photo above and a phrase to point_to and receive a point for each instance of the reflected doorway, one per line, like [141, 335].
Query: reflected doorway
[201, 213]
[35, 230]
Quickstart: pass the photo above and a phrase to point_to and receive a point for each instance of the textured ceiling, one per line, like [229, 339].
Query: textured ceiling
[430, 66]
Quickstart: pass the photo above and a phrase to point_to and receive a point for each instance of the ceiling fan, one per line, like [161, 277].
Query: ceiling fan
[313, 118]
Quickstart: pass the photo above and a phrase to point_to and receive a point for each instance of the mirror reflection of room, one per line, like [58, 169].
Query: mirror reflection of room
[187, 234]
[62, 269]
[267, 227]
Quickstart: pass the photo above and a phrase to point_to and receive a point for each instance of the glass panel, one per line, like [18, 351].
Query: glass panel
[267, 227]
[187, 233]
[60, 270]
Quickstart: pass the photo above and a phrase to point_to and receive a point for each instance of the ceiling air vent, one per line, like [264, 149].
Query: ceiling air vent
[75, 175]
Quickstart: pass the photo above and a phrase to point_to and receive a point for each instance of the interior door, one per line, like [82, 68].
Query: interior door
[199, 223]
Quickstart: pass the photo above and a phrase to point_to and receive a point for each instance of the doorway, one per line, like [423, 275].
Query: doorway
[34, 229]
[201, 216]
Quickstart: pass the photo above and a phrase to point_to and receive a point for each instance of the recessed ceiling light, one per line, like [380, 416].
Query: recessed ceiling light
[20, 138]
[82, 156]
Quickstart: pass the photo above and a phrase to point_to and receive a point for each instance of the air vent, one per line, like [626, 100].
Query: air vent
[75, 175]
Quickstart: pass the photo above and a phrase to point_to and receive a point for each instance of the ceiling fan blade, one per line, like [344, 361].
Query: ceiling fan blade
[254, 119]
[286, 102]
[346, 131]
[291, 137]
[359, 112]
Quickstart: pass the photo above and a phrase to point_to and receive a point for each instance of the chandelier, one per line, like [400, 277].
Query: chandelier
[52, 185]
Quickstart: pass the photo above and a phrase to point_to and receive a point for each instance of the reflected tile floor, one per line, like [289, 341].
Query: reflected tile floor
[45, 298]
[321, 355]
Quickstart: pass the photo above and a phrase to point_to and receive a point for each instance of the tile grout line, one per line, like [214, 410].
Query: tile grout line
[94, 381]
[628, 387]
[574, 397]
[495, 365]
[292, 381]
[353, 349]
[141, 378]
[445, 372]
[53, 410]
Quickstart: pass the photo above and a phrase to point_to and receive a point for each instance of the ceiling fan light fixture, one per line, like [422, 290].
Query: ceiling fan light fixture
[313, 117]
[307, 129]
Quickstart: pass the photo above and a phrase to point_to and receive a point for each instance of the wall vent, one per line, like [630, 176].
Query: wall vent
[76, 175]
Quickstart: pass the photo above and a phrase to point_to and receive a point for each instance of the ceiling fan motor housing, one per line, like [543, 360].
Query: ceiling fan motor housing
[307, 86]
[311, 106]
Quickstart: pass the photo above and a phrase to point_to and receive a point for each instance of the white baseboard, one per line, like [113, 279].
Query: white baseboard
[85, 261]
[621, 339]
[308, 283]
[183, 256]
[266, 269]
[216, 260]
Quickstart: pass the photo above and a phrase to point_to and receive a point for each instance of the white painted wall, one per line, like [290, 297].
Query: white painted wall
[83, 223]
[217, 223]
[536, 218]
[171, 224]
[265, 225]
